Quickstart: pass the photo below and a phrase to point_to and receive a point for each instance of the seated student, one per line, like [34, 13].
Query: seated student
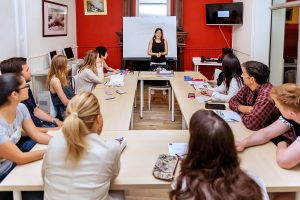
[287, 100]
[102, 64]
[257, 110]
[14, 117]
[39, 117]
[232, 81]
[211, 167]
[79, 164]
[57, 82]
[88, 75]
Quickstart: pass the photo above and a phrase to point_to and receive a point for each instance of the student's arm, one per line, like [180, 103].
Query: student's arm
[114, 71]
[220, 92]
[263, 135]
[288, 156]
[90, 76]
[34, 133]
[10, 151]
[42, 115]
[166, 48]
[56, 85]
[238, 100]
[262, 112]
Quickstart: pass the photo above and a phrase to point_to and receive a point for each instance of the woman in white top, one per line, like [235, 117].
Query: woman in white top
[232, 81]
[211, 168]
[89, 74]
[79, 164]
[102, 64]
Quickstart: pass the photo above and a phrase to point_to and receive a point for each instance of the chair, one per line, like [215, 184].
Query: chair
[163, 88]
[46, 104]
[290, 76]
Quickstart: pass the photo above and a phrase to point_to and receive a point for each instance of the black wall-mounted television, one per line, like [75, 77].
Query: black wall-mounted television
[224, 14]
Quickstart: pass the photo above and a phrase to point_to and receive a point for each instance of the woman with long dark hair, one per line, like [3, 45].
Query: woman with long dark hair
[211, 168]
[232, 81]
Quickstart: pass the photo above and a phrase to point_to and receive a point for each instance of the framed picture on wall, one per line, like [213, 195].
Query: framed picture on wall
[95, 7]
[55, 19]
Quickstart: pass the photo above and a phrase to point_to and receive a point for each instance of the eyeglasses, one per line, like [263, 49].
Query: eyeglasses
[26, 86]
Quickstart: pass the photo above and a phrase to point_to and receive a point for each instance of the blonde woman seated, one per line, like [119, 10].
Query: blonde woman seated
[80, 164]
[88, 74]
[57, 82]
[232, 81]
[211, 169]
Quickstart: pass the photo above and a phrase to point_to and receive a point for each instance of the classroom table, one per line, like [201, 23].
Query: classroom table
[118, 112]
[144, 147]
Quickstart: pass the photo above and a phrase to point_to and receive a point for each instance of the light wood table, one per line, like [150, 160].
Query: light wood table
[118, 112]
[142, 150]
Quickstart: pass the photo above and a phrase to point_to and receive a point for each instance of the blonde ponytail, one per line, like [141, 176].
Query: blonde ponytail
[81, 113]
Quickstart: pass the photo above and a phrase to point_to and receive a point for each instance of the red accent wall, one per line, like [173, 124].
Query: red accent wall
[202, 40]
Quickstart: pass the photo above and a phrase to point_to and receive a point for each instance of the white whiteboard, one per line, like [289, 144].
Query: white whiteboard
[138, 31]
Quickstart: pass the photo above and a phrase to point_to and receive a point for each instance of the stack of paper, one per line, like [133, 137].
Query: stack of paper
[116, 80]
[229, 116]
[165, 73]
[179, 149]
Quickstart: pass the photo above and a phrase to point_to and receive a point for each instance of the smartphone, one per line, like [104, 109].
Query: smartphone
[191, 95]
[215, 106]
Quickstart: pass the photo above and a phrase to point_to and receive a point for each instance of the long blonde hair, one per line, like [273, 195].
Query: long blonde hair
[59, 69]
[90, 62]
[81, 113]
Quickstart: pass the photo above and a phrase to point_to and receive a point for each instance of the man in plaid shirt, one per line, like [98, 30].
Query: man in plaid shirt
[252, 101]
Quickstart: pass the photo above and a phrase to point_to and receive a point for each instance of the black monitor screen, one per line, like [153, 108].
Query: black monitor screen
[52, 54]
[224, 14]
[69, 53]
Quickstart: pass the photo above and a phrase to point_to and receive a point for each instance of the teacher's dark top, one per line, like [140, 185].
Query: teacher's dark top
[157, 48]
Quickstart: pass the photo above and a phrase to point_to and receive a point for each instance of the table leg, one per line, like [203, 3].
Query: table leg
[141, 99]
[173, 117]
[131, 122]
[183, 123]
[17, 195]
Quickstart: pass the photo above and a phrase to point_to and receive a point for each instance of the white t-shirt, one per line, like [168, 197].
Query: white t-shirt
[221, 92]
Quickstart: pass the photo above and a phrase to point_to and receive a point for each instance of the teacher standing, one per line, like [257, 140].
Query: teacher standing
[158, 48]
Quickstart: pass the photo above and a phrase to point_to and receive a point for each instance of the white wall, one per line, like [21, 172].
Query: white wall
[39, 46]
[21, 32]
[7, 29]
[251, 41]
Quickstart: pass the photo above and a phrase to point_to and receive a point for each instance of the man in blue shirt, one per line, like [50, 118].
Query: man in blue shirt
[39, 117]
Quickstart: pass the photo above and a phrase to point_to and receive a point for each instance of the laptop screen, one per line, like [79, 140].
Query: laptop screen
[69, 53]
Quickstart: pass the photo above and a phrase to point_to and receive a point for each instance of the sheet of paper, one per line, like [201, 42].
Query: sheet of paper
[228, 115]
[202, 99]
[178, 148]
[116, 78]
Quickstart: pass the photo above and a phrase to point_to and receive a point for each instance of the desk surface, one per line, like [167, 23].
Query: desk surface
[139, 156]
[117, 112]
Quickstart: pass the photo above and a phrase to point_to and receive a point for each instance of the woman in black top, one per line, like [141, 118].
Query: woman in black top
[158, 47]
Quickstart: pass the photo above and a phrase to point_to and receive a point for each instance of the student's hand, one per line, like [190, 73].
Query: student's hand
[213, 82]
[240, 146]
[282, 144]
[58, 122]
[208, 93]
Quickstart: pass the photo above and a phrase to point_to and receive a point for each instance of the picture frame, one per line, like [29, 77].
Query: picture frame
[55, 19]
[95, 7]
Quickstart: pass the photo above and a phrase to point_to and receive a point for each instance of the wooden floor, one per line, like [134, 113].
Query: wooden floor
[158, 118]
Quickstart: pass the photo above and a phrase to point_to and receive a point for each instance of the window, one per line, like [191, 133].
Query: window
[153, 8]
